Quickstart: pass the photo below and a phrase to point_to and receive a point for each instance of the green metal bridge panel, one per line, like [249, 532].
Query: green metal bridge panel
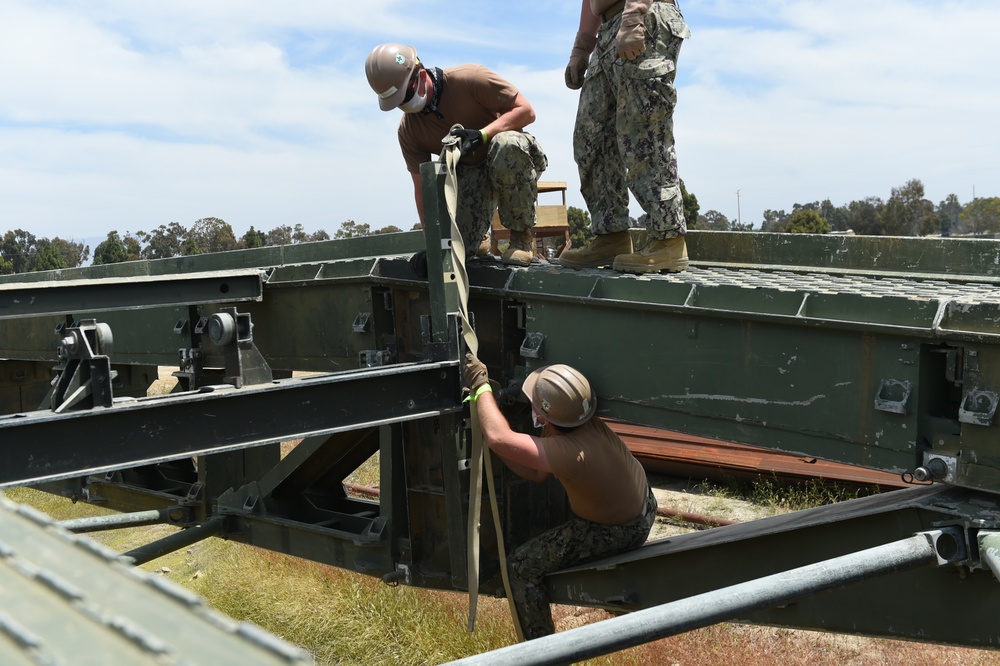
[66, 600]
[925, 256]
[919, 604]
[756, 383]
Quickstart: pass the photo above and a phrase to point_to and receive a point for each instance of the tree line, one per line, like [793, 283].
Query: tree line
[23, 252]
[905, 213]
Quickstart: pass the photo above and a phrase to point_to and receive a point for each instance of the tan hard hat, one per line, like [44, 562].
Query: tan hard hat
[388, 68]
[561, 394]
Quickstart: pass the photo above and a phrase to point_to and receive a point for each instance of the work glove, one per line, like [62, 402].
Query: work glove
[631, 37]
[474, 373]
[583, 46]
[469, 140]
[418, 264]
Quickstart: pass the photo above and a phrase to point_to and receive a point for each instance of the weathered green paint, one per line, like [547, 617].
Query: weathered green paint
[834, 253]
[876, 352]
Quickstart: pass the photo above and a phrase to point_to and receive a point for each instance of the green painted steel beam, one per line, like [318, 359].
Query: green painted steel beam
[41, 446]
[969, 258]
[918, 605]
[66, 600]
[76, 297]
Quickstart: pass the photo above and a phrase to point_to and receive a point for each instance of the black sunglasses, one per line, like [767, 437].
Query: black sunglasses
[411, 87]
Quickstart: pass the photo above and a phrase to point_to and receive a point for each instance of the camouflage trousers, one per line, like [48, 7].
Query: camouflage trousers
[624, 134]
[573, 542]
[506, 181]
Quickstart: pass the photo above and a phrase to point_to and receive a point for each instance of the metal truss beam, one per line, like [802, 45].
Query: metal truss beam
[131, 293]
[41, 446]
[917, 604]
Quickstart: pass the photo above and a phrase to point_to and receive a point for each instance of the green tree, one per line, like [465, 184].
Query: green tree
[299, 234]
[775, 220]
[691, 206]
[111, 250]
[48, 257]
[351, 229]
[864, 216]
[280, 235]
[19, 249]
[320, 235]
[132, 247]
[805, 221]
[191, 246]
[73, 254]
[949, 212]
[253, 238]
[580, 234]
[211, 234]
[166, 241]
[837, 216]
[907, 213]
[981, 216]
[713, 220]
[390, 229]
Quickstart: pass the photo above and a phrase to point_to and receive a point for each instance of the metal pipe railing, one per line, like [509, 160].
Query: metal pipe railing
[116, 521]
[175, 542]
[729, 603]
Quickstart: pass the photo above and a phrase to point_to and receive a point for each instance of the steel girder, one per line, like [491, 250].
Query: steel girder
[40, 446]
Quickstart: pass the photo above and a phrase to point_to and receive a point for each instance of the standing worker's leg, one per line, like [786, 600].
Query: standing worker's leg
[514, 163]
[602, 172]
[646, 141]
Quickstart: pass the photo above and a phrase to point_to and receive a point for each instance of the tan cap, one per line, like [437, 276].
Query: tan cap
[561, 394]
[388, 68]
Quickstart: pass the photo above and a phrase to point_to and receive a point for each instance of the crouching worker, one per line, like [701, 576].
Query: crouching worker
[613, 506]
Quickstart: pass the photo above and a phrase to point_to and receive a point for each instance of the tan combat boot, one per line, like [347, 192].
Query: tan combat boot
[669, 254]
[601, 251]
[521, 248]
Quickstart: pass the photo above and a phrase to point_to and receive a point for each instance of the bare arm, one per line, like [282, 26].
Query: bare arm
[418, 196]
[523, 453]
[589, 23]
[517, 117]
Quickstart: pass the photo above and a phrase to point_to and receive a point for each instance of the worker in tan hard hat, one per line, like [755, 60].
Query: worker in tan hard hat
[500, 162]
[623, 61]
[612, 502]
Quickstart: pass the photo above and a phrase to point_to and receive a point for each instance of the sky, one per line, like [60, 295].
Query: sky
[123, 115]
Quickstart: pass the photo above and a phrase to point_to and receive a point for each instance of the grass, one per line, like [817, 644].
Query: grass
[349, 619]
[780, 497]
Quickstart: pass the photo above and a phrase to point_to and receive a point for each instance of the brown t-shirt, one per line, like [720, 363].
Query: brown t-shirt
[604, 481]
[640, 6]
[472, 96]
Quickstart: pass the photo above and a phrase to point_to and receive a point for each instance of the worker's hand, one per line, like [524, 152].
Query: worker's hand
[469, 140]
[583, 46]
[474, 373]
[631, 37]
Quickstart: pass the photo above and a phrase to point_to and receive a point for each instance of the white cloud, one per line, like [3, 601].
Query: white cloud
[118, 115]
[839, 101]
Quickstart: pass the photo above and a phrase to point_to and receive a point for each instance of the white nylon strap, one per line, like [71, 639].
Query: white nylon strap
[450, 156]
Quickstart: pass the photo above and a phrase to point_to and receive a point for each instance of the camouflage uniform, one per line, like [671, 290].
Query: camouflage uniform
[574, 542]
[506, 180]
[624, 128]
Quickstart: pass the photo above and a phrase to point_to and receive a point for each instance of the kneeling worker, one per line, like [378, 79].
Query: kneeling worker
[612, 502]
[500, 162]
